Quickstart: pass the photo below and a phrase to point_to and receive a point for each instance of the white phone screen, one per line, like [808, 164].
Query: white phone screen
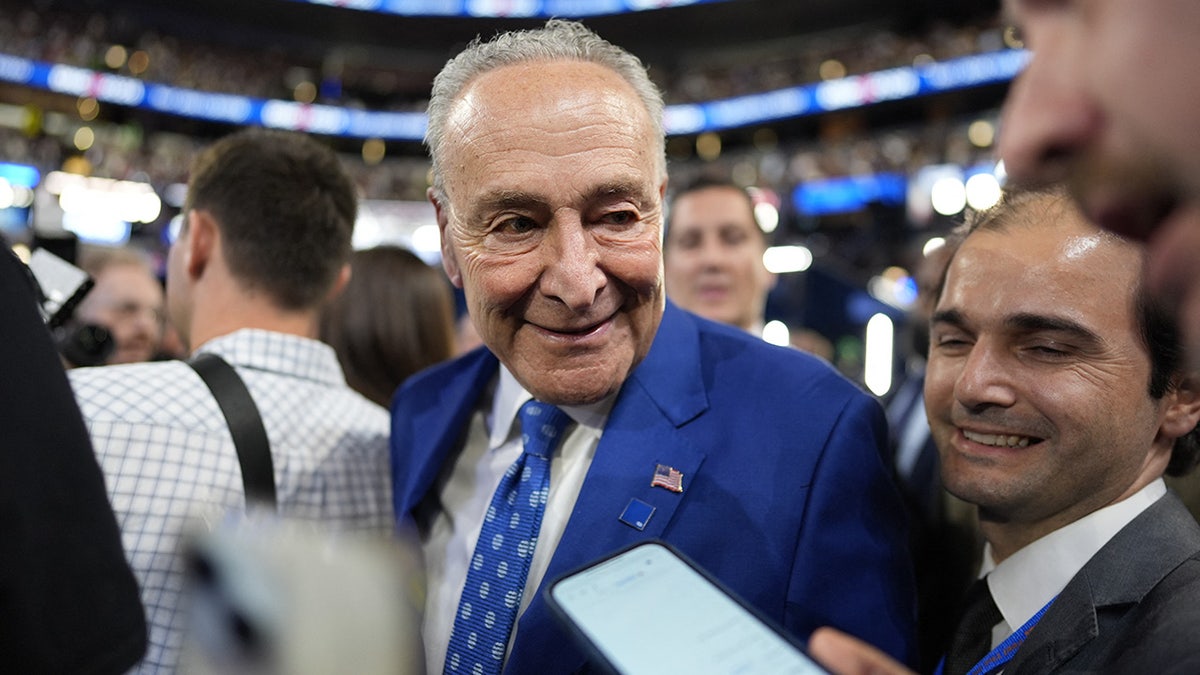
[648, 611]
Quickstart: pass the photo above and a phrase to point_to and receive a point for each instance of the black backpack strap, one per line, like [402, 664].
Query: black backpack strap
[245, 425]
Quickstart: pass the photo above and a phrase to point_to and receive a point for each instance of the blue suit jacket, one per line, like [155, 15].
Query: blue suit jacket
[786, 497]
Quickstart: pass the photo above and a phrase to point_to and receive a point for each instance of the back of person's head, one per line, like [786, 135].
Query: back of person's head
[558, 40]
[395, 317]
[285, 208]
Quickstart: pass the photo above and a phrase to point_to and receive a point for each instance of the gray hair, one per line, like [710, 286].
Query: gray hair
[558, 40]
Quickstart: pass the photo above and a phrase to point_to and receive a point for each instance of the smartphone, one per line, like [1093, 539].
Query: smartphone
[649, 609]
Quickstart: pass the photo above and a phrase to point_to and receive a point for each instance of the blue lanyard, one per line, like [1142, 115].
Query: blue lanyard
[1003, 653]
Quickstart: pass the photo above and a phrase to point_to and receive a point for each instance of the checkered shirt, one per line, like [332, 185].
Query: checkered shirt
[168, 457]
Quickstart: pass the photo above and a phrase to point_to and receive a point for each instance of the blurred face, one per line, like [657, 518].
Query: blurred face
[128, 301]
[551, 224]
[714, 251]
[1110, 102]
[1036, 386]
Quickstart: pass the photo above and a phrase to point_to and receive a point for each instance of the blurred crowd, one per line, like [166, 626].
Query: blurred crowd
[120, 42]
[841, 145]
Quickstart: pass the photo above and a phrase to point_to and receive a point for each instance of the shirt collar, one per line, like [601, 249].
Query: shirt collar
[283, 353]
[1030, 578]
[510, 396]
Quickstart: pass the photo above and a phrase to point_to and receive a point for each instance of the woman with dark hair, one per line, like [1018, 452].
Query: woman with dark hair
[395, 317]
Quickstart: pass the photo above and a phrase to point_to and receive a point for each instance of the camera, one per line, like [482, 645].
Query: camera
[60, 287]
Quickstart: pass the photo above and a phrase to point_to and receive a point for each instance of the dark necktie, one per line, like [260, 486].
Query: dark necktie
[487, 610]
[973, 637]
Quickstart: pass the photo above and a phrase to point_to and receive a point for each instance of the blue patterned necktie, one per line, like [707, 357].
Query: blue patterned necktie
[495, 583]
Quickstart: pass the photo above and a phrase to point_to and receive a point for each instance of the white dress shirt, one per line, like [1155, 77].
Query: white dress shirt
[493, 443]
[1030, 578]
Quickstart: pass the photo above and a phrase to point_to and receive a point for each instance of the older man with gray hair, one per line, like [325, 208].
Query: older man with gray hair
[597, 414]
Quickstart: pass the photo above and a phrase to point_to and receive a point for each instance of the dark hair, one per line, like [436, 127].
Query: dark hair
[1158, 328]
[285, 208]
[395, 317]
[707, 183]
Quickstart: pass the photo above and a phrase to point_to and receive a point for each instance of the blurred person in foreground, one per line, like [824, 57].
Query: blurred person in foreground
[395, 317]
[1110, 104]
[759, 462]
[1058, 396]
[127, 300]
[713, 255]
[68, 600]
[265, 242]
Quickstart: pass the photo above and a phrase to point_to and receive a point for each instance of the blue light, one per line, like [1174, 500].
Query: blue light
[849, 193]
[20, 175]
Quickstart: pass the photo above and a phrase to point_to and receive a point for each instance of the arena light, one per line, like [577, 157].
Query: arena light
[948, 196]
[7, 194]
[767, 216]
[784, 259]
[427, 240]
[777, 333]
[104, 198]
[982, 191]
[877, 359]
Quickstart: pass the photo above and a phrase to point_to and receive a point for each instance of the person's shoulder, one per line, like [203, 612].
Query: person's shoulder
[108, 380]
[757, 359]
[132, 392]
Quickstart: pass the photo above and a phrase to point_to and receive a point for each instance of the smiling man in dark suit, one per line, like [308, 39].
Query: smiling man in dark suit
[1058, 397]
[760, 463]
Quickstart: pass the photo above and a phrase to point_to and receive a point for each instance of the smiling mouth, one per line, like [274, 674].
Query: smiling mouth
[575, 332]
[1000, 440]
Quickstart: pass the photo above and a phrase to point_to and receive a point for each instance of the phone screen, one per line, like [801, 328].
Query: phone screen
[648, 611]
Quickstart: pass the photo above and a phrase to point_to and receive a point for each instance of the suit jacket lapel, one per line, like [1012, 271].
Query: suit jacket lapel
[1121, 573]
[433, 427]
[665, 391]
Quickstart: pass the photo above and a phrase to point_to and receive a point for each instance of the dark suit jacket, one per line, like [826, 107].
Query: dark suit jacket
[1133, 608]
[786, 497]
[68, 600]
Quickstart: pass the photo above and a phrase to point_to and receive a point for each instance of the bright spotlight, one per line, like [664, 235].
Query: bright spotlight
[877, 360]
[777, 333]
[767, 216]
[983, 191]
[784, 259]
[948, 196]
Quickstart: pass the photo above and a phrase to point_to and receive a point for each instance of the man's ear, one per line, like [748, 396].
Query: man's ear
[339, 284]
[200, 242]
[1183, 409]
[449, 262]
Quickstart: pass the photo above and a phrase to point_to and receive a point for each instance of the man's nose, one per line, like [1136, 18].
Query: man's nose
[572, 273]
[984, 379]
[1048, 120]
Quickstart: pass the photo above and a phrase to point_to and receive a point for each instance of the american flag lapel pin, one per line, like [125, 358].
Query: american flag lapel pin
[667, 477]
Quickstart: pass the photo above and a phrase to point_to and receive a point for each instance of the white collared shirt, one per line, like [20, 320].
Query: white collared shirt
[1030, 578]
[493, 443]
